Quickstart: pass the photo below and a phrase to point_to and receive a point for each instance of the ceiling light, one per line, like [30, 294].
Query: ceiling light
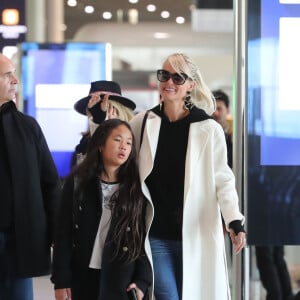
[72, 3]
[151, 7]
[89, 9]
[165, 14]
[133, 1]
[161, 35]
[107, 15]
[10, 16]
[180, 20]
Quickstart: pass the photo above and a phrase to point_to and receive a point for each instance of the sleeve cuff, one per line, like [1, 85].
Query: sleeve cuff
[237, 226]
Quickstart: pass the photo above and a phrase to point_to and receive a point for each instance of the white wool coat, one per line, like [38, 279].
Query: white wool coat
[209, 188]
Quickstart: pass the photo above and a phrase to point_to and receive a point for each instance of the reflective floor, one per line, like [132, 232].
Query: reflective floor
[43, 288]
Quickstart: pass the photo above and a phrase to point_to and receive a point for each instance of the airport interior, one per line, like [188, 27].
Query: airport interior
[240, 48]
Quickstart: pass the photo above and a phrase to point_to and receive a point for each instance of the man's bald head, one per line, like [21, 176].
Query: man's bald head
[8, 80]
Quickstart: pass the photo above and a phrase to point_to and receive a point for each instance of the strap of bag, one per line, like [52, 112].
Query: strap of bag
[143, 126]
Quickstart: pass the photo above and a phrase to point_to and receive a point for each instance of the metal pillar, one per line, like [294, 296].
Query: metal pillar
[45, 21]
[240, 274]
[35, 20]
[55, 21]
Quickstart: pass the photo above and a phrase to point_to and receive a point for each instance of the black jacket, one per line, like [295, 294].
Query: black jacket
[78, 224]
[36, 189]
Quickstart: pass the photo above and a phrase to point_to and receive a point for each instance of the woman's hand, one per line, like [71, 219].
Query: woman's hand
[112, 112]
[94, 100]
[63, 294]
[105, 105]
[238, 241]
[139, 293]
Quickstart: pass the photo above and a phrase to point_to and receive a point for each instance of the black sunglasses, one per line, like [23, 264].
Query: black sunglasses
[164, 76]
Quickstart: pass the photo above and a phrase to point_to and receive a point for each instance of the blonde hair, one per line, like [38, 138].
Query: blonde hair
[201, 96]
[124, 113]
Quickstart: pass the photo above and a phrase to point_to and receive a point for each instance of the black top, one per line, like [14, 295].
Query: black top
[166, 181]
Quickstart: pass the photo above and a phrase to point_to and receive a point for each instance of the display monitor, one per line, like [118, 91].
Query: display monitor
[54, 77]
[273, 116]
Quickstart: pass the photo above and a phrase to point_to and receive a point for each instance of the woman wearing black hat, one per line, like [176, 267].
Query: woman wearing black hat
[104, 101]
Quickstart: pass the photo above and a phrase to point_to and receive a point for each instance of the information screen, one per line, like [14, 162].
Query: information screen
[273, 122]
[54, 77]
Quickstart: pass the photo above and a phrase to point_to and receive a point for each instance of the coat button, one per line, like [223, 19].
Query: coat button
[128, 229]
[76, 226]
[80, 208]
[125, 249]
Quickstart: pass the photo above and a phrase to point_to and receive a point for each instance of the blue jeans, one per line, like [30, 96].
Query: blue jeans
[167, 264]
[12, 288]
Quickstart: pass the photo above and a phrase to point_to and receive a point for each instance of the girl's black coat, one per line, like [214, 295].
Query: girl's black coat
[79, 219]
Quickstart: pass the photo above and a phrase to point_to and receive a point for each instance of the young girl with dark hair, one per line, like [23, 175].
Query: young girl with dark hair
[99, 246]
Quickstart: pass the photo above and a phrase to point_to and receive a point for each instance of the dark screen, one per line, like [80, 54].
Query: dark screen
[273, 119]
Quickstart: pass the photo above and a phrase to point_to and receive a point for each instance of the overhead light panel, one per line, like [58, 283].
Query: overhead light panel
[107, 15]
[165, 14]
[72, 3]
[151, 7]
[89, 9]
[180, 20]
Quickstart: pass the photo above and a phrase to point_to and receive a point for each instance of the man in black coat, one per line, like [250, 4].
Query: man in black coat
[29, 194]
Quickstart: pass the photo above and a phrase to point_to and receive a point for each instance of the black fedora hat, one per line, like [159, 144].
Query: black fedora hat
[104, 86]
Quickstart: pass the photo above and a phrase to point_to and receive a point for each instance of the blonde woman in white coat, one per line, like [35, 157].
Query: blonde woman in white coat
[184, 174]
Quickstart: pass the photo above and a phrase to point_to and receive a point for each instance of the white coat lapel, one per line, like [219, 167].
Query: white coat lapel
[149, 145]
[197, 140]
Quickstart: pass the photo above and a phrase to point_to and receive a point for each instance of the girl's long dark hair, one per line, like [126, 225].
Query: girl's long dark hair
[127, 203]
